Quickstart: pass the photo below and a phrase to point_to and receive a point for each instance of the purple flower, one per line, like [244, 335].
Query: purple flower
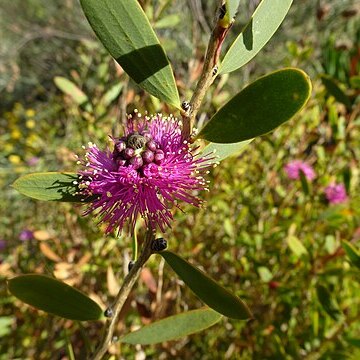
[148, 171]
[336, 193]
[26, 235]
[294, 167]
[2, 244]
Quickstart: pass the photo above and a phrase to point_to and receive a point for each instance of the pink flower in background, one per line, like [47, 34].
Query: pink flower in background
[149, 170]
[26, 235]
[294, 167]
[336, 193]
[33, 161]
[2, 244]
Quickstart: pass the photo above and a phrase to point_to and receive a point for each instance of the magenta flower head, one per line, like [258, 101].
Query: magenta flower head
[294, 167]
[336, 193]
[148, 170]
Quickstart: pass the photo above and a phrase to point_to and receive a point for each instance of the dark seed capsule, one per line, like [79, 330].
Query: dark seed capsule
[128, 153]
[151, 145]
[136, 141]
[148, 156]
[136, 161]
[159, 156]
[185, 105]
[108, 312]
[131, 265]
[159, 244]
[215, 70]
[222, 11]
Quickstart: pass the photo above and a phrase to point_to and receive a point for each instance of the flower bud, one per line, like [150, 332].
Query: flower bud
[129, 153]
[159, 156]
[147, 135]
[136, 161]
[151, 145]
[148, 156]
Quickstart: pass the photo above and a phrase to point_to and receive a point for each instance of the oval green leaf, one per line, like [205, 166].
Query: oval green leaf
[304, 183]
[352, 253]
[126, 33]
[69, 88]
[334, 89]
[232, 8]
[168, 21]
[260, 107]
[327, 302]
[222, 151]
[296, 246]
[50, 186]
[173, 327]
[265, 274]
[266, 19]
[54, 297]
[111, 94]
[211, 293]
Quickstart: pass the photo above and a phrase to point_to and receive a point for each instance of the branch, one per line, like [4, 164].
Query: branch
[207, 76]
[121, 297]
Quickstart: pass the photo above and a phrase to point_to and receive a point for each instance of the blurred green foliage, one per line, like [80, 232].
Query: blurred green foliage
[274, 243]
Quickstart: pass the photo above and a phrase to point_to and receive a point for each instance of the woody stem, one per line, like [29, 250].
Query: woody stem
[122, 295]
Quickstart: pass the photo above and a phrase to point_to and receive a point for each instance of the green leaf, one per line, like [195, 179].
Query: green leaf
[333, 89]
[260, 107]
[265, 274]
[50, 186]
[126, 33]
[212, 294]
[304, 183]
[352, 253]
[346, 174]
[296, 246]
[353, 341]
[54, 297]
[72, 90]
[111, 94]
[258, 31]
[173, 327]
[5, 325]
[327, 302]
[222, 151]
[231, 7]
[168, 21]
[355, 82]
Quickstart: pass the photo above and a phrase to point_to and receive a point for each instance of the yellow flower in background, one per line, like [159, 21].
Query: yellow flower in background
[31, 140]
[16, 134]
[30, 113]
[10, 117]
[8, 148]
[30, 124]
[18, 106]
[15, 159]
